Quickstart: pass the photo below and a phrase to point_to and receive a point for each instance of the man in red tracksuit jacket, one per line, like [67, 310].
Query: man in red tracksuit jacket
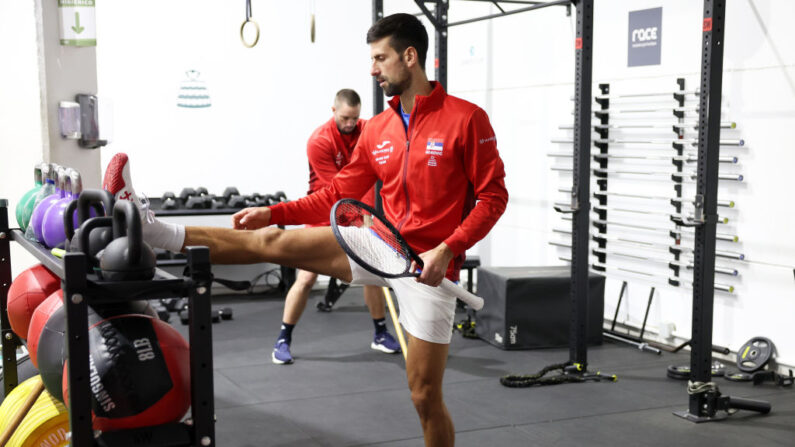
[443, 187]
[329, 149]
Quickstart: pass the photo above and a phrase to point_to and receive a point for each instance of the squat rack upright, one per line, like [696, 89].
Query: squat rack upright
[705, 399]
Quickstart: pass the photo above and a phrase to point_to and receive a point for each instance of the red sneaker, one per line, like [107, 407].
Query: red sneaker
[118, 182]
[117, 178]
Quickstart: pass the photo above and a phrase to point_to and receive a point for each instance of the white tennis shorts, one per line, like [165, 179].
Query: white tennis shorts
[425, 312]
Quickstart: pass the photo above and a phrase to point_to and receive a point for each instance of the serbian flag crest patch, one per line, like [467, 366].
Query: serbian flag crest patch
[435, 146]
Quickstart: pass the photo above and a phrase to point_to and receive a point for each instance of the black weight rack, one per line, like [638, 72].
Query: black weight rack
[83, 287]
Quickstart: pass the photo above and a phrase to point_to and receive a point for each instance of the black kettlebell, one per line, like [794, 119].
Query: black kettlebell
[91, 235]
[101, 202]
[127, 257]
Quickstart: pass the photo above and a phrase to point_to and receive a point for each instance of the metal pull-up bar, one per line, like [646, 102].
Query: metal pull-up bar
[534, 6]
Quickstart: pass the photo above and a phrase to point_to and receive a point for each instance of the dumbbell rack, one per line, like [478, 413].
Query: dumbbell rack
[82, 288]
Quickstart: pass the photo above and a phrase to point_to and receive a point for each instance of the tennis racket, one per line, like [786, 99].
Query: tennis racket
[375, 244]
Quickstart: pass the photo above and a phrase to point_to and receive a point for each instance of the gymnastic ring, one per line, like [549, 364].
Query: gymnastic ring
[256, 37]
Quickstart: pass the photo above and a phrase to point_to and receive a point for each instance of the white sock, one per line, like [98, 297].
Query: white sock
[164, 235]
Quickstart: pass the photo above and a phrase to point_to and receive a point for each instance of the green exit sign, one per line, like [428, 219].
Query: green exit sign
[78, 23]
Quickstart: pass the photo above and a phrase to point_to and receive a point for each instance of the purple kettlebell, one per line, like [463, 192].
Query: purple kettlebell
[37, 219]
[91, 202]
[52, 228]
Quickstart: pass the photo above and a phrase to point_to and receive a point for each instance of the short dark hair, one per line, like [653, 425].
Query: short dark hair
[348, 96]
[403, 30]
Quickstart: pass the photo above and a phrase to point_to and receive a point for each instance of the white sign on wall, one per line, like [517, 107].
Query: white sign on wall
[78, 23]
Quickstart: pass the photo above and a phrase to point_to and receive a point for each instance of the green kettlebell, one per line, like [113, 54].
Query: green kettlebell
[25, 205]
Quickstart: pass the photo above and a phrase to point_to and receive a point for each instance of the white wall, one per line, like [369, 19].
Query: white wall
[20, 114]
[267, 100]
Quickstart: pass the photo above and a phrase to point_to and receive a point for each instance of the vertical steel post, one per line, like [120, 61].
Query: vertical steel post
[440, 63]
[10, 340]
[707, 188]
[75, 286]
[378, 100]
[201, 352]
[582, 181]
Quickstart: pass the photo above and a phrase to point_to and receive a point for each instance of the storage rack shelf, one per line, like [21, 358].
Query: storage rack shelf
[82, 288]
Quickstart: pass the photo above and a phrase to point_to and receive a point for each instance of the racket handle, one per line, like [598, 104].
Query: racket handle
[473, 301]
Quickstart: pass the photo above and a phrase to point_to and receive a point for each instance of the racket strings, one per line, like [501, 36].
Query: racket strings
[371, 240]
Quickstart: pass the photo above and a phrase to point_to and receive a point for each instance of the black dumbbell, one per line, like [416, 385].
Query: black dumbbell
[229, 192]
[174, 304]
[184, 316]
[268, 200]
[226, 313]
[162, 313]
[255, 199]
[167, 201]
[195, 202]
[202, 191]
[208, 200]
[217, 202]
[280, 196]
[169, 204]
[186, 193]
[237, 202]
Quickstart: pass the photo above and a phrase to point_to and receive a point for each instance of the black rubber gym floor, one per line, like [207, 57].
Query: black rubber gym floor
[339, 392]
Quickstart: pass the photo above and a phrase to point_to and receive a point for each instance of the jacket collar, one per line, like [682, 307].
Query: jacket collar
[436, 96]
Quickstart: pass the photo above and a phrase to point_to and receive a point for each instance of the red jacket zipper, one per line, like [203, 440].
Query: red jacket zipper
[405, 172]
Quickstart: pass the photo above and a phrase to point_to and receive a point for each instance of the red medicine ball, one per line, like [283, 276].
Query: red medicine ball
[28, 290]
[139, 373]
[40, 317]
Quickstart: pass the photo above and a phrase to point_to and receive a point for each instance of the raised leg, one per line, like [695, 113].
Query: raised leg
[312, 249]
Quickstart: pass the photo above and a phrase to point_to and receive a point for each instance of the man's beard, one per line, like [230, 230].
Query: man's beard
[343, 132]
[397, 88]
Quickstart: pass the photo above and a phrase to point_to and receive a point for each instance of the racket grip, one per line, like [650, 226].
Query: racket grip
[473, 301]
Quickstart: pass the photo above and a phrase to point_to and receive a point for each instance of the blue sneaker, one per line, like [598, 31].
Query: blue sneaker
[281, 353]
[385, 342]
